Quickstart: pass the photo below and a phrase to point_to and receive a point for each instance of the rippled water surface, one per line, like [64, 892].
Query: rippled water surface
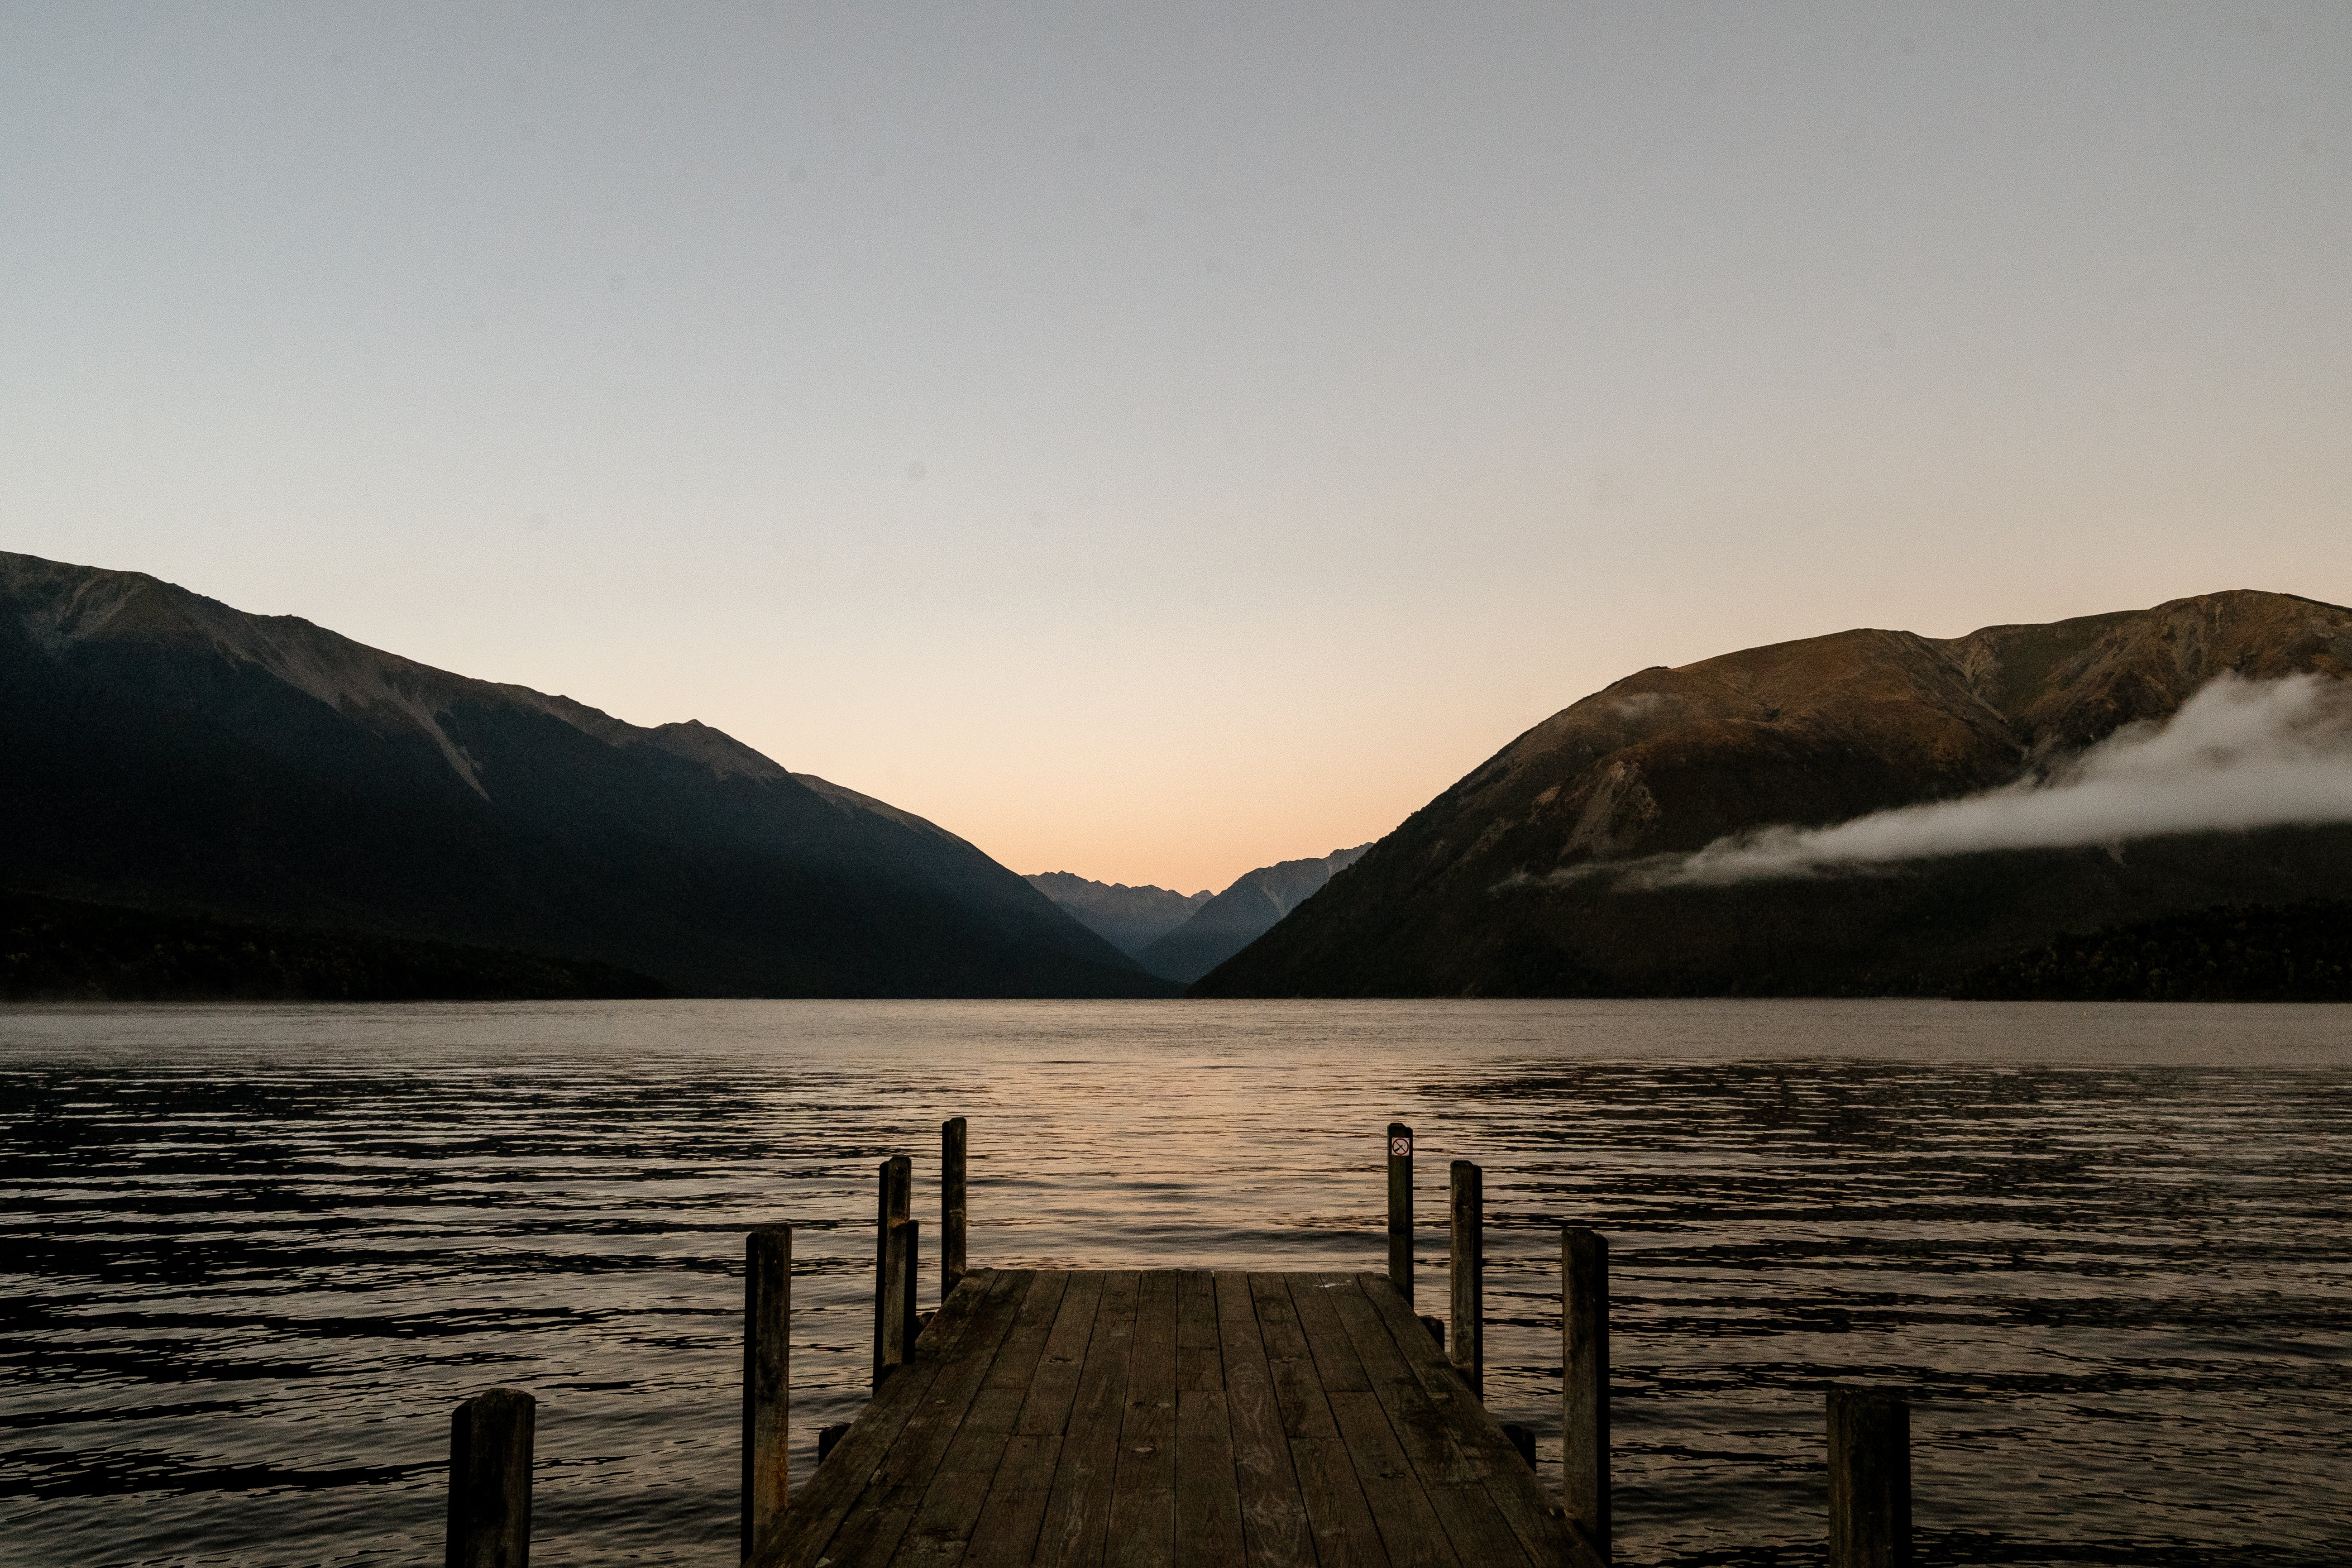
[252, 1256]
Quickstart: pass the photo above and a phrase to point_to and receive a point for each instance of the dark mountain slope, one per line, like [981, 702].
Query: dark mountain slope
[2302, 952]
[54, 950]
[1229, 923]
[1809, 733]
[166, 751]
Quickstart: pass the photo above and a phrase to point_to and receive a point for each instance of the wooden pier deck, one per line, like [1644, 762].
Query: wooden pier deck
[1188, 1418]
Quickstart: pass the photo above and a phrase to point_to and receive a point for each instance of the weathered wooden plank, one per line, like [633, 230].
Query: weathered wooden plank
[1016, 1360]
[1297, 1388]
[972, 1468]
[870, 1536]
[1047, 1410]
[1142, 1527]
[1207, 1500]
[1028, 1464]
[1332, 1497]
[1273, 1517]
[812, 1517]
[1006, 1535]
[1077, 1516]
[943, 1522]
[924, 1441]
[1414, 1411]
[995, 1410]
[1200, 1358]
[1409, 1525]
[1534, 1517]
[1340, 1370]
[950, 1495]
[1478, 1529]
[1147, 1445]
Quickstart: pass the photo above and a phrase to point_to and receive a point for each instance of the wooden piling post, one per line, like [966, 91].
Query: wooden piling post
[1870, 1478]
[767, 1378]
[1584, 1382]
[1465, 1344]
[951, 1206]
[1400, 1209]
[907, 1236]
[489, 1481]
[896, 1190]
[1523, 1439]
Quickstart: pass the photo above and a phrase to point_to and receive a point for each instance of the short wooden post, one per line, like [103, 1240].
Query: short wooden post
[1465, 1344]
[1584, 1382]
[1400, 1209]
[489, 1481]
[1870, 1478]
[951, 1207]
[767, 1378]
[829, 1437]
[1522, 1439]
[896, 1192]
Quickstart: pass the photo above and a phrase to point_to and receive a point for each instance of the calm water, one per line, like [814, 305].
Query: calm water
[252, 1256]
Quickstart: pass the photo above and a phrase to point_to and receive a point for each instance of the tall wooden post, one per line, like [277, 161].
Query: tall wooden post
[489, 1481]
[896, 1192]
[767, 1377]
[1400, 1209]
[1870, 1478]
[906, 1251]
[1465, 1341]
[951, 1207]
[1584, 1382]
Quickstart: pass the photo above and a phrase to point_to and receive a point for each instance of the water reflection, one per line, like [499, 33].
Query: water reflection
[253, 1255]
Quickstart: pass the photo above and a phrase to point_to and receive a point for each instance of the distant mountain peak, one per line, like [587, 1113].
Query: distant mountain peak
[1129, 918]
[1247, 909]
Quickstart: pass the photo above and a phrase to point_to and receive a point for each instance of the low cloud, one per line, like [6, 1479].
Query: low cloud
[2240, 754]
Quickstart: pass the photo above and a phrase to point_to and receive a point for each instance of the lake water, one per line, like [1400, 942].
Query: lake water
[253, 1255]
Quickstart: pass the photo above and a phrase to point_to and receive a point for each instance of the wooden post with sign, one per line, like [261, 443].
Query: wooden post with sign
[1400, 1209]
[1466, 1343]
[951, 1206]
[767, 1378]
[890, 1338]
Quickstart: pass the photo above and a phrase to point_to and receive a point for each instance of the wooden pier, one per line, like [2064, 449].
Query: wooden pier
[1282, 1420]
[1191, 1418]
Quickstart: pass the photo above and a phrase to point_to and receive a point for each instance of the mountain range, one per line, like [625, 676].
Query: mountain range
[1253, 905]
[167, 753]
[1582, 858]
[1182, 938]
[1129, 918]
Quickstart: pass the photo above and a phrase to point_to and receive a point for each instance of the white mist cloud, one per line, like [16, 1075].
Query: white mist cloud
[2240, 754]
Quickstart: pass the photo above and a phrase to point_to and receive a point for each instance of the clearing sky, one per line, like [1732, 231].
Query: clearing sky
[1153, 442]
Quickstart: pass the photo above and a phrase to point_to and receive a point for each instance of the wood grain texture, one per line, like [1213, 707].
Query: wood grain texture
[1178, 1418]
